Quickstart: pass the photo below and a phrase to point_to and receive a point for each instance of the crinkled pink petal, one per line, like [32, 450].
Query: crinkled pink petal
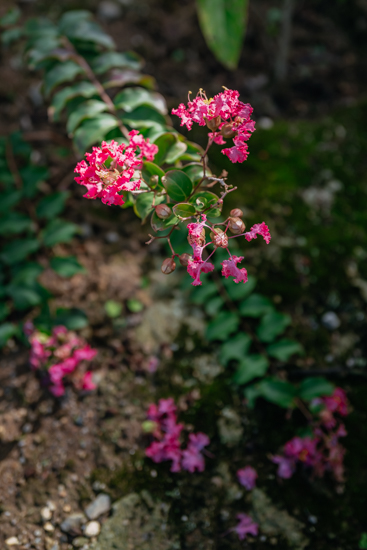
[87, 382]
[196, 268]
[246, 526]
[230, 269]
[286, 466]
[259, 229]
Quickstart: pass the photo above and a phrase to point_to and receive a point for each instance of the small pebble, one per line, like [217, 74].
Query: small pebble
[12, 541]
[330, 320]
[46, 514]
[79, 542]
[48, 527]
[92, 529]
[99, 506]
[51, 505]
[67, 508]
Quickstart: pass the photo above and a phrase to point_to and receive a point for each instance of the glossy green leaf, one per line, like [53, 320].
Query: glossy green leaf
[314, 387]
[113, 309]
[13, 223]
[204, 199]
[193, 152]
[73, 319]
[255, 305]
[7, 331]
[24, 297]
[184, 210]
[178, 185]
[121, 77]
[60, 73]
[52, 205]
[143, 117]
[94, 131]
[18, 250]
[66, 266]
[223, 23]
[61, 98]
[161, 225]
[58, 231]
[88, 109]
[175, 152]
[235, 348]
[111, 60]
[78, 25]
[223, 326]
[250, 367]
[271, 325]
[26, 273]
[149, 171]
[143, 204]
[277, 391]
[164, 143]
[131, 98]
[284, 349]
[195, 171]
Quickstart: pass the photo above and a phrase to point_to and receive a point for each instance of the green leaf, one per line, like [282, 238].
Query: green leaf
[131, 98]
[113, 309]
[61, 98]
[11, 35]
[60, 73]
[143, 204]
[277, 392]
[58, 231]
[284, 349]
[178, 185]
[193, 152]
[184, 210]
[18, 250]
[143, 117]
[314, 387]
[26, 273]
[86, 110]
[363, 542]
[235, 348]
[195, 171]
[4, 311]
[213, 306]
[121, 77]
[66, 266]
[52, 205]
[150, 169]
[94, 131]
[73, 319]
[238, 292]
[13, 223]
[250, 367]
[134, 305]
[200, 294]
[255, 305]
[24, 297]
[203, 199]
[10, 17]
[7, 330]
[79, 25]
[164, 143]
[32, 176]
[175, 152]
[271, 325]
[223, 326]
[111, 60]
[161, 225]
[223, 23]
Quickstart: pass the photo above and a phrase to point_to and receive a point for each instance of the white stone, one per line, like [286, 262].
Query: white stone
[48, 527]
[92, 529]
[12, 541]
[46, 514]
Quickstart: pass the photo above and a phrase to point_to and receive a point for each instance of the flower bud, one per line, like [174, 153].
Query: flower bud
[236, 226]
[236, 213]
[168, 266]
[213, 123]
[219, 238]
[184, 259]
[163, 211]
[227, 131]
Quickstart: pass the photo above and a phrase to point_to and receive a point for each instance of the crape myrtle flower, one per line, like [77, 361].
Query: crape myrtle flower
[246, 526]
[58, 356]
[247, 477]
[167, 444]
[111, 168]
[196, 237]
[226, 115]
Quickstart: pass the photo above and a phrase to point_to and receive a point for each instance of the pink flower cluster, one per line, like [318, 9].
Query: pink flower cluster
[167, 445]
[323, 451]
[196, 265]
[246, 526]
[59, 357]
[226, 115]
[111, 168]
[247, 477]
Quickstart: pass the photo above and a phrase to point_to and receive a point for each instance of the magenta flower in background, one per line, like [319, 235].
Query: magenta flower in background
[246, 526]
[247, 477]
